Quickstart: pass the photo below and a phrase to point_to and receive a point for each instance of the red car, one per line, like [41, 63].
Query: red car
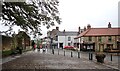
[68, 47]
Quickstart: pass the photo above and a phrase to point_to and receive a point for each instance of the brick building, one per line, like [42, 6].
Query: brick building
[23, 40]
[6, 42]
[18, 40]
[98, 39]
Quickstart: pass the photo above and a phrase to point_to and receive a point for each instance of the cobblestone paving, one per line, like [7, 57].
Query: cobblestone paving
[37, 60]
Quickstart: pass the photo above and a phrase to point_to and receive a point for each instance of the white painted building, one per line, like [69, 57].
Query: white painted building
[59, 39]
[66, 38]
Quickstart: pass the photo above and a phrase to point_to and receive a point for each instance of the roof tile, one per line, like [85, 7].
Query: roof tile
[100, 32]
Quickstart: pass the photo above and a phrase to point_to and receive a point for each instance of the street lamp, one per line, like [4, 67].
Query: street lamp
[65, 37]
[71, 43]
[39, 34]
[51, 42]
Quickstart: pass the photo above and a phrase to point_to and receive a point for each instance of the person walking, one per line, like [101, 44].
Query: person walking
[33, 45]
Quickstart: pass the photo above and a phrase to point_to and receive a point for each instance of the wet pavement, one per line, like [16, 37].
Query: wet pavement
[47, 60]
[85, 55]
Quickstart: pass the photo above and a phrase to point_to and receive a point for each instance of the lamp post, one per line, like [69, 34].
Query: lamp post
[51, 45]
[38, 43]
[65, 37]
[51, 42]
[71, 43]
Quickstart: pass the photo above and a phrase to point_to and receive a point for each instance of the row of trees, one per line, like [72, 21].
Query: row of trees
[30, 15]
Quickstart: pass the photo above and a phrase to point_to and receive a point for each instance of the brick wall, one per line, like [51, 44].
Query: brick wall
[6, 43]
[104, 41]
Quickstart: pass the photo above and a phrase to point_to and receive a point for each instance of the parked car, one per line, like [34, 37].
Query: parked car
[69, 47]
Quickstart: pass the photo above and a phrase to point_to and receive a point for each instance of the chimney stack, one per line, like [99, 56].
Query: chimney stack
[57, 28]
[84, 28]
[88, 26]
[109, 25]
[79, 29]
[64, 30]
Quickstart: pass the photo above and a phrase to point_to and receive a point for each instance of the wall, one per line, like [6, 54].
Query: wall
[23, 40]
[6, 43]
[64, 40]
[104, 41]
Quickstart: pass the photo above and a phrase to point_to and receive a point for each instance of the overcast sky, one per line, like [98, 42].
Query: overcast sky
[97, 13]
[75, 13]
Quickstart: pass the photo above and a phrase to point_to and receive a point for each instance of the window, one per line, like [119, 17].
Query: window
[90, 38]
[109, 38]
[99, 38]
[118, 38]
[69, 38]
[68, 44]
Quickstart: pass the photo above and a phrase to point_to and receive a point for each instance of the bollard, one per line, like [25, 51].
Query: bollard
[53, 51]
[111, 57]
[91, 57]
[64, 53]
[78, 54]
[58, 51]
[71, 54]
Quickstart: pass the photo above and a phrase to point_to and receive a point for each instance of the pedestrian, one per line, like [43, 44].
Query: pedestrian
[20, 50]
[33, 44]
[46, 48]
[40, 46]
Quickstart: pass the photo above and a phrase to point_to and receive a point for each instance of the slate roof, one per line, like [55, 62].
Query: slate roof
[68, 33]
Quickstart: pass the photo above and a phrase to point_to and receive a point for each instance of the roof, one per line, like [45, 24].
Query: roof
[81, 34]
[21, 33]
[52, 33]
[68, 33]
[100, 32]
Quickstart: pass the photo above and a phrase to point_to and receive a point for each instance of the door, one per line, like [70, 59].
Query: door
[101, 47]
[61, 45]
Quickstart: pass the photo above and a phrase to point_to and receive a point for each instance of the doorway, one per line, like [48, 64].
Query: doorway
[101, 47]
[61, 45]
